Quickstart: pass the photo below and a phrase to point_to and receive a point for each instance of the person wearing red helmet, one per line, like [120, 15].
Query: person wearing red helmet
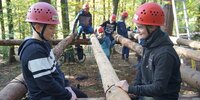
[41, 72]
[104, 41]
[158, 77]
[109, 27]
[122, 30]
[84, 18]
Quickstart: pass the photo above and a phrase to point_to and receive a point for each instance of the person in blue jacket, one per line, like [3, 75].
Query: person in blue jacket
[158, 76]
[42, 74]
[104, 41]
[84, 19]
[122, 30]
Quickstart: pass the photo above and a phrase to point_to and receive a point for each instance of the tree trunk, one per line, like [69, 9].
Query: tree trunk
[54, 42]
[115, 6]
[104, 10]
[16, 90]
[48, 1]
[169, 18]
[190, 43]
[189, 76]
[2, 21]
[65, 17]
[108, 75]
[93, 16]
[10, 30]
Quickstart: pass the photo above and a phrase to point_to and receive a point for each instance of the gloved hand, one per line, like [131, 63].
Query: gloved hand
[74, 97]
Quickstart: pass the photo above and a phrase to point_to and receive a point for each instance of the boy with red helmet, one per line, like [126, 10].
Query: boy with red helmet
[84, 18]
[42, 74]
[109, 27]
[158, 76]
[122, 30]
[104, 41]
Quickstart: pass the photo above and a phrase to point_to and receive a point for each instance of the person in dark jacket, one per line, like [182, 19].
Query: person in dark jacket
[109, 27]
[43, 77]
[84, 18]
[122, 30]
[158, 77]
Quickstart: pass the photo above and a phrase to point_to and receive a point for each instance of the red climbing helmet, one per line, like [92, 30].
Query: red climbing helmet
[149, 14]
[42, 12]
[113, 17]
[124, 14]
[86, 6]
[100, 29]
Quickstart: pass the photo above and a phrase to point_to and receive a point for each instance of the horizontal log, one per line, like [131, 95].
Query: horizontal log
[190, 43]
[11, 42]
[108, 75]
[188, 75]
[188, 53]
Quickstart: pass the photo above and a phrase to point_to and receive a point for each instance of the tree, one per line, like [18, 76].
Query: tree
[11, 31]
[48, 1]
[169, 18]
[2, 21]
[65, 17]
[115, 6]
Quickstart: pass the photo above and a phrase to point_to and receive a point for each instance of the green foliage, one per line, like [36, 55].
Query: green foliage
[22, 29]
[4, 51]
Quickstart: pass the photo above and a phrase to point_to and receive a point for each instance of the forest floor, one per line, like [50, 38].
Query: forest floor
[85, 75]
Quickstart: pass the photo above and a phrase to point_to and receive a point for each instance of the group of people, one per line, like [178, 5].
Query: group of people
[158, 75]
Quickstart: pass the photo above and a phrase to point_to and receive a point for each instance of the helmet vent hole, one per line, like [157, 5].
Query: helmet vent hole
[36, 18]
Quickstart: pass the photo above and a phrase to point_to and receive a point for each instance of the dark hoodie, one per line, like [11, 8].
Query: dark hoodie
[43, 77]
[159, 73]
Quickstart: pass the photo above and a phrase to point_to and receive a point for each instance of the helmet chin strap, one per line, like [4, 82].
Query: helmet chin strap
[41, 34]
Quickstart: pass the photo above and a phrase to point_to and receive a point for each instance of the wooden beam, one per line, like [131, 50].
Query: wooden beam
[108, 75]
[188, 75]
[190, 43]
[11, 42]
[16, 90]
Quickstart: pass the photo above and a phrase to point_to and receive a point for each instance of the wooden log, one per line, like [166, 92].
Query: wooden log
[189, 76]
[15, 91]
[188, 53]
[190, 43]
[108, 75]
[11, 42]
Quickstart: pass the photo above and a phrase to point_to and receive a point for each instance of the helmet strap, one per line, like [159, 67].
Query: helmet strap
[41, 34]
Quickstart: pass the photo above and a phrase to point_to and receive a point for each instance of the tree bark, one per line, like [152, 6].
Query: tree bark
[169, 18]
[115, 6]
[54, 42]
[65, 17]
[10, 30]
[108, 75]
[16, 90]
[2, 21]
[188, 76]
[190, 43]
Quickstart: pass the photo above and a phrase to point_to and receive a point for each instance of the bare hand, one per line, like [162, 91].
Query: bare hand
[74, 97]
[122, 84]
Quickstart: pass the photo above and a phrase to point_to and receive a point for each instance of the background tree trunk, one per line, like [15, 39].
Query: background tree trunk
[48, 1]
[2, 21]
[10, 30]
[169, 18]
[93, 16]
[65, 17]
[115, 6]
[104, 10]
